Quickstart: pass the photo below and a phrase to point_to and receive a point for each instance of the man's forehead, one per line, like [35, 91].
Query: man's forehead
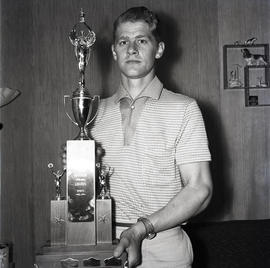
[133, 29]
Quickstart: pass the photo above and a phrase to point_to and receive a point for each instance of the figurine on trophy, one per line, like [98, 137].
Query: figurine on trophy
[105, 173]
[82, 41]
[57, 180]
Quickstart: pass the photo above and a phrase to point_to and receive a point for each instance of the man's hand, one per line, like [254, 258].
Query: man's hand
[131, 241]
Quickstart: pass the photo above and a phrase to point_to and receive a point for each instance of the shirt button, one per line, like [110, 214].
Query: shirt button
[132, 107]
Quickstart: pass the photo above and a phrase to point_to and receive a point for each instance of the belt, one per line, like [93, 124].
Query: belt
[123, 224]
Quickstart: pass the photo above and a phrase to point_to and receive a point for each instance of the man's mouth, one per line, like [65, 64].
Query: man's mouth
[132, 61]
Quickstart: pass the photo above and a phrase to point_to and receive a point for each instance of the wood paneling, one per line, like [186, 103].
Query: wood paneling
[17, 132]
[246, 130]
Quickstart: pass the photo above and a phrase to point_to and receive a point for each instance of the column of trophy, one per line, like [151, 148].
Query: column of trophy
[80, 163]
[104, 205]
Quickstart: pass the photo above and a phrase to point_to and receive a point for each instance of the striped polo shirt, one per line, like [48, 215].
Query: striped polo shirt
[144, 149]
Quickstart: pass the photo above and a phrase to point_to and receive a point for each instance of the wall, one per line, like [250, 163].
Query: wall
[0, 121]
[38, 58]
[246, 130]
[17, 132]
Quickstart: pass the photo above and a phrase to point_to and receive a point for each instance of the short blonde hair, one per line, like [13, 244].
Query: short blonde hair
[139, 14]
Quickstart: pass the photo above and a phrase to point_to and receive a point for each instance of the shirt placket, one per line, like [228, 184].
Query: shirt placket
[130, 111]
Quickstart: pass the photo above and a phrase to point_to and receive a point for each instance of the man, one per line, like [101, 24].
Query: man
[156, 143]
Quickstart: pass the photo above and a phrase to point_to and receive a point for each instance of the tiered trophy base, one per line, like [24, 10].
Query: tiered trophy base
[100, 255]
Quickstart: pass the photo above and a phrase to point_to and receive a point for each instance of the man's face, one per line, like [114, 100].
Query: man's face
[135, 49]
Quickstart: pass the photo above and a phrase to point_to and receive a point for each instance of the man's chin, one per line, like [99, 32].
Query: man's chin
[134, 74]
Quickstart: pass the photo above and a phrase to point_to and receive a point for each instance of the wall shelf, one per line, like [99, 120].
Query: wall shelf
[257, 85]
[234, 62]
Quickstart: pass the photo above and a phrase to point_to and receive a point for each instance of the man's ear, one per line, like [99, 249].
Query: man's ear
[160, 50]
[113, 52]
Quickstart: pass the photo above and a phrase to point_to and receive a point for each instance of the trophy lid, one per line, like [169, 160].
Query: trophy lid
[81, 33]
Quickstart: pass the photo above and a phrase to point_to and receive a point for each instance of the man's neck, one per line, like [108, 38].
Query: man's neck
[136, 86]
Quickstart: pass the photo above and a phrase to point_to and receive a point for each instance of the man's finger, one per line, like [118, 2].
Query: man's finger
[134, 257]
[121, 247]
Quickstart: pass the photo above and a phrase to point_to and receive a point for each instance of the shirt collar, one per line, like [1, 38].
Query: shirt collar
[153, 90]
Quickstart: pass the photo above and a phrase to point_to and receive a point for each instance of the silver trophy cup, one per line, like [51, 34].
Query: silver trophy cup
[82, 106]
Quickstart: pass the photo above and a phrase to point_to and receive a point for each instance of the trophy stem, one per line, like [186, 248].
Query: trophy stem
[82, 134]
[82, 80]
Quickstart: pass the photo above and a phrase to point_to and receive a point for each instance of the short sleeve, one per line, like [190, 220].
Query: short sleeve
[192, 142]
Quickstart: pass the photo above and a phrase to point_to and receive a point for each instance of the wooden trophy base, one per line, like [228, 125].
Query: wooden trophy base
[104, 220]
[58, 222]
[79, 256]
[81, 236]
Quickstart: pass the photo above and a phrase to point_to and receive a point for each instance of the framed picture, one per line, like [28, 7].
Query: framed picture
[237, 57]
[257, 86]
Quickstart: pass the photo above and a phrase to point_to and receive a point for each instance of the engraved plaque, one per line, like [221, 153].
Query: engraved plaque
[81, 191]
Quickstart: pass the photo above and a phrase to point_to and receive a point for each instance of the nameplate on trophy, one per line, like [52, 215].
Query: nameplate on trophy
[81, 192]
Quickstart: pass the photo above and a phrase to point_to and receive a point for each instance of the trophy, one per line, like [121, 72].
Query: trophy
[81, 224]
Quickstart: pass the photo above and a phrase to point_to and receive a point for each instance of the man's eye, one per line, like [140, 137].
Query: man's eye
[142, 41]
[122, 43]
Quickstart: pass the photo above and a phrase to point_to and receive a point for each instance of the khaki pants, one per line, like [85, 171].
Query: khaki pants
[169, 249]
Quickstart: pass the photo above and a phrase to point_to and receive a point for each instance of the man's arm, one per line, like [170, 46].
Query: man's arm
[191, 200]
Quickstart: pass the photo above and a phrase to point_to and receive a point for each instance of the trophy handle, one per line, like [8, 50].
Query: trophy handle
[96, 98]
[68, 96]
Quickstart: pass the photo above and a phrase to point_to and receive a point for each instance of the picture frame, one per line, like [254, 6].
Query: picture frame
[236, 58]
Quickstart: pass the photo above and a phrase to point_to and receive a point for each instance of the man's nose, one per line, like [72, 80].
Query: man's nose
[132, 48]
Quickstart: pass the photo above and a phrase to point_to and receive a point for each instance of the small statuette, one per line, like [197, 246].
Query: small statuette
[250, 41]
[234, 80]
[91, 262]
[69, 262]
[57, 180]
[82, 38]
[105, 173]
[261, 82]
[112, 261]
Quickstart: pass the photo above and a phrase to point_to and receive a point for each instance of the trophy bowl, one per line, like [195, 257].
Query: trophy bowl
[83, 110]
